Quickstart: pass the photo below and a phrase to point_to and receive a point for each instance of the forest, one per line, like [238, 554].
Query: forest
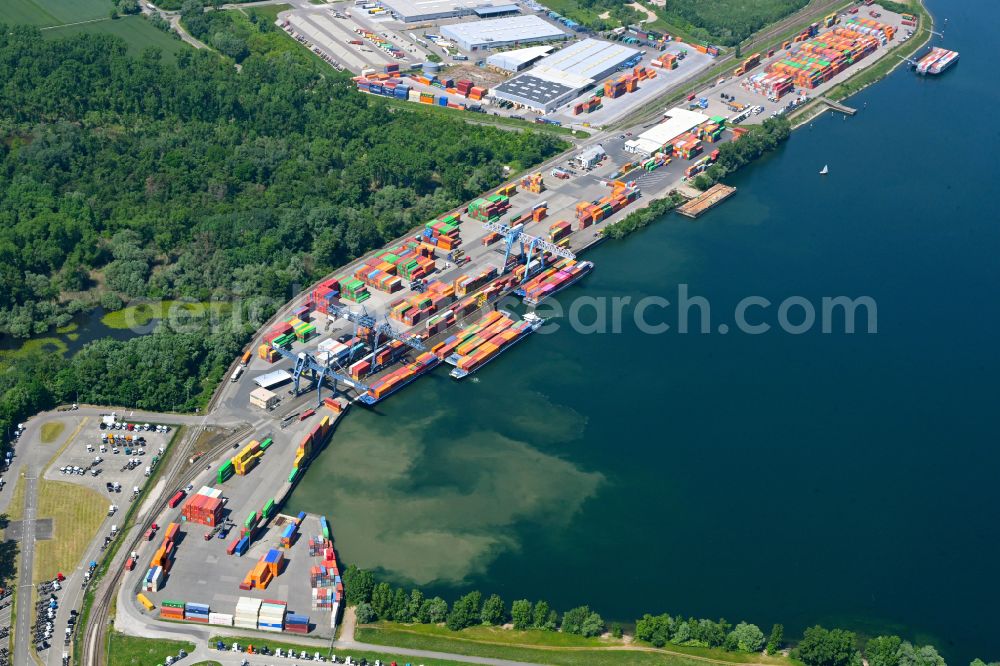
[130, 177]
[728, 22]
[134, 178]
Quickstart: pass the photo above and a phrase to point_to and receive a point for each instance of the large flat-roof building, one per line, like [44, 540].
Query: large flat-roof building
[412, 11]
[677, 121]
[561, 76]
[515, 61]
[501, 32]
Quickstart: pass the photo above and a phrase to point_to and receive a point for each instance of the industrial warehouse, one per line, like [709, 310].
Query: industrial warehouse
[513, 62]
[502, 32]
[561, 76]
[676, 122]
[414, 11]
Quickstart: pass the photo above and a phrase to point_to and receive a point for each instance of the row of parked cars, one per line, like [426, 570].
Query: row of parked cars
[131, 427]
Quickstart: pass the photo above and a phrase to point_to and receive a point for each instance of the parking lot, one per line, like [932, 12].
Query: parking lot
[114, 461]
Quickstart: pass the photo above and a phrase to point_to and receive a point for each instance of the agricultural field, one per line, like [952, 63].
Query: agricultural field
[44, 13]
[137, 32]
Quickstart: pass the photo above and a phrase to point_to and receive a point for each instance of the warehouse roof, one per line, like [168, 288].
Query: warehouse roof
[496, 9]
[589, 58]
[540, 91]
[512, 29]
[678, 121]
[271, 379]
[261, 394]
[429, 7]
[513, 60]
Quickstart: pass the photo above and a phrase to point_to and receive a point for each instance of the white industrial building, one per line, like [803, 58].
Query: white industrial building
[501, 32]
[515, 61]
[412, 11]
[677, 121]
[561, 76]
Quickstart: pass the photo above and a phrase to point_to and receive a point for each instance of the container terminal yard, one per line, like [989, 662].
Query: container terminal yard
[210, 544]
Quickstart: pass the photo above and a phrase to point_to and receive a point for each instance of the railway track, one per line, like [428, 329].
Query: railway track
[94, 653]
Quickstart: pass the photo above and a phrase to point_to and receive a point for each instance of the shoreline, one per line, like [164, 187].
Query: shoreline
[817, 107]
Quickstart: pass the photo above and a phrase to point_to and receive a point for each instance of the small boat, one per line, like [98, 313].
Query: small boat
[825, 170]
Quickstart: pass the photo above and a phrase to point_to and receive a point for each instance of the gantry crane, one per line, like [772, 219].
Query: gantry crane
[516, 234]
[379, 331]
[306, 363]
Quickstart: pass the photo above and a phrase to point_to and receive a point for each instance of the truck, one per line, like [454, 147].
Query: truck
[148, 536]
[245, 360]
[236, 374]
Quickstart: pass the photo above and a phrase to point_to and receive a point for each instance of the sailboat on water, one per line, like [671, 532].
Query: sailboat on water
[825, 170]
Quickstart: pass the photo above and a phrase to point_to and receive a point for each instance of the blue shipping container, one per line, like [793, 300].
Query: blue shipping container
[242, 546]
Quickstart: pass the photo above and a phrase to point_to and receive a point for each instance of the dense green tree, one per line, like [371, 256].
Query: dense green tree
[593, 625]
[465, 611]
[822, 647]
[655, 629]
[926, 655]
[365, 614]
[573, 619]
[433, 611]
[545, 617]
[616, 630]
[775, 640]
[413, 605]
[358, 585]
[493, 611]
[883, 650]
[521, 614]
[748, 637]
[400, 609]
[382, 600]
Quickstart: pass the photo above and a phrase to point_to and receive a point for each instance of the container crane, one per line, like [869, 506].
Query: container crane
[516, 234]
[379, 331]
[306, 363]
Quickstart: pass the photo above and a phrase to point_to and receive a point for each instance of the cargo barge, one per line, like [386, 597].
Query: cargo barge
[485, 349]
[555, 282]
[937, 61]
[398, 379]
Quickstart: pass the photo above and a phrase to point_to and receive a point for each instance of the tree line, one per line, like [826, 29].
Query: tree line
[758, 140]
[380, 601]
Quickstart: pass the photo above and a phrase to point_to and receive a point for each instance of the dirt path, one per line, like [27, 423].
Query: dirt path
[650, 14]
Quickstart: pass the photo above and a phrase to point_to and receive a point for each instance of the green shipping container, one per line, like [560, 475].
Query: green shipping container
[268, 508]
[291, 475]
[251, 519]
[266, 443]
[172, 604]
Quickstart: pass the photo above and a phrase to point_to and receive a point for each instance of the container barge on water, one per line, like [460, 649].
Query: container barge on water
[471, 349]
[552, 281]
[385, 386]
[937, 61]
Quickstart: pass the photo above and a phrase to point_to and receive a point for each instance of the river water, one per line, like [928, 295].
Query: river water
[839, 479]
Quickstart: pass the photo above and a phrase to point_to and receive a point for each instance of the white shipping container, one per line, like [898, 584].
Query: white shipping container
[223, 619]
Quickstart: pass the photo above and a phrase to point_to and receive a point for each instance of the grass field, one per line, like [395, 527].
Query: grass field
[547, 647]
[134, 651]
[356, 655]
[77, 512]
[208, 663]
[143, 313]
[51, 431]
[53, 12]
[137, 32]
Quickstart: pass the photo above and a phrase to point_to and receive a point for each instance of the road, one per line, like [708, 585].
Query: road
[31, 458]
